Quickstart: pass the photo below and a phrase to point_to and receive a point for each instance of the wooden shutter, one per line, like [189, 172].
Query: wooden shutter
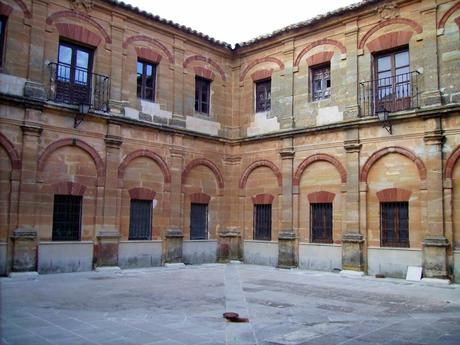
[394, 224]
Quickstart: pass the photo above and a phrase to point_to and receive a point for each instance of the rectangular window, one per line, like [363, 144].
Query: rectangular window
[2, 38]
[263, 222]
[392, 81]
[73, 74]
[321, 222]
[198, 221]
[321, 82]
[394, 224]
[146, 74]
[202, 95]
[263, 95]
[67, 218]
[140, 220]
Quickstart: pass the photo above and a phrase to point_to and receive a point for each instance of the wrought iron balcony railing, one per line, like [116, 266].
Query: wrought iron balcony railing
[74, 85]
[391, 94]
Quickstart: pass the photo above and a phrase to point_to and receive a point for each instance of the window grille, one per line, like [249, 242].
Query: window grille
[321, 222]
[198, 221]
[67, 218]
[394, 224]
[263, 95]
[263, 222]
[140, 220]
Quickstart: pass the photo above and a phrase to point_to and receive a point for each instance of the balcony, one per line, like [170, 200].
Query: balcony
[73, 85]
[392, 94]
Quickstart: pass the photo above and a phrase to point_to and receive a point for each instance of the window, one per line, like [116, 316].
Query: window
[393, 86]
[140, 220]
[263, 95]
[263, 222]
[394, 224]
[321, 82]
[67, 218]
[2, 38]
[73, 74]
[198, 221]
[146, 74]
[202, 95]
[321, 222]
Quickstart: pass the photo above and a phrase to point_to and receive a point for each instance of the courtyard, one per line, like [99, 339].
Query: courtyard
[184, 305]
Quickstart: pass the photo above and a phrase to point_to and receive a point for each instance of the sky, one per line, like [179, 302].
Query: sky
[235, 21]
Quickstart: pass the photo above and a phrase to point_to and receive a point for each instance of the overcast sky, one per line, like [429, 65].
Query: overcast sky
[236, 21]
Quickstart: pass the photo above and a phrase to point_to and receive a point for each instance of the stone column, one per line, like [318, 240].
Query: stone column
[34, 87]
[435, 244]
[287, 238]
[351, 42]
[174, 241]
[429, 50]
[287, 87]
[25, 236]
[353, 239]
[229, 245]
[178, 118]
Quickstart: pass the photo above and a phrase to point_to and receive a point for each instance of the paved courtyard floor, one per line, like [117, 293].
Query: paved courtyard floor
[173, 306]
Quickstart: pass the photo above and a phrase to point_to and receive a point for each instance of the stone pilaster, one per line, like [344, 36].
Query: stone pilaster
[178, 118]
[34, 87]
[287, 238]
[435, 244]
[429, 50]
[24, 250]
[107, 247]
[351, 42]
[229, 208]
[229, 245]
[174, 242]
[116, 78]
[353, 239]
[285, 93]
[177, 166]
[113, 141]
[288, 245]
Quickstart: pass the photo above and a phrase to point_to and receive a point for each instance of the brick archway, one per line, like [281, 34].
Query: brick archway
[389, 40]
[78, 33]
[143, 153]
[5, 10]
[11, 152]
[409, 22]
[69, 188]
[392, 149]
[446, 16]
[258, 164]
[207, 163]
[259, 61]
[450, 163]
[25, 10]
[141, 193]
[312, 45]
[207, 60]
[81, 17]
[317, 158]
[143, 38]
[98, 162]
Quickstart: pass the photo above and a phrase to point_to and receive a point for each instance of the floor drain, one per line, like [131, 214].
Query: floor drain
[234, 317]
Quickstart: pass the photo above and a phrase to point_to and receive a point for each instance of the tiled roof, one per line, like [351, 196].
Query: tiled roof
[297, 26]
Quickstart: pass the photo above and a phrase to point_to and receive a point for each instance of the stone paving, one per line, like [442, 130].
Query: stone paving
[174, 306]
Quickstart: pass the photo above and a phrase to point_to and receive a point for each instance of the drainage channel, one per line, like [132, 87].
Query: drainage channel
[235, 302]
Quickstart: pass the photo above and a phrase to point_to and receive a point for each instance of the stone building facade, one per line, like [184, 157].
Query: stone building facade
[272, 152]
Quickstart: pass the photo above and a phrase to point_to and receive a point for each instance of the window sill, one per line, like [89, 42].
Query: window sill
[395, 248]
